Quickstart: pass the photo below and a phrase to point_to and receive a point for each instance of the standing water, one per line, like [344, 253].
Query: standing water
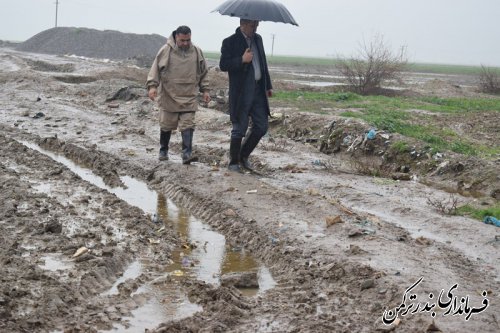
[203, 254]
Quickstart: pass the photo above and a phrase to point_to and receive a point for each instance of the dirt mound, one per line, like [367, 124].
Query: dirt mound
[93, 43]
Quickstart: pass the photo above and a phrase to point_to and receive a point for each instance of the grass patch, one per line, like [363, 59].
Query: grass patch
[315, 96]
[391, 114]
[309, 101]
[479, 214]
[456, 105]
[400, 147]
[444, 69]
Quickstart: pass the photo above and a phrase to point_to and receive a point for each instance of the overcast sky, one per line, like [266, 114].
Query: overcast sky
[434, 31]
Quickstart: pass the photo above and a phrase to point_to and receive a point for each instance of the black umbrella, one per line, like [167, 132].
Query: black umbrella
[257, 10]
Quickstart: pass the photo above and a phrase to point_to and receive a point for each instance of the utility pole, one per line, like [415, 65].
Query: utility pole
[57, 5]
[272, 47]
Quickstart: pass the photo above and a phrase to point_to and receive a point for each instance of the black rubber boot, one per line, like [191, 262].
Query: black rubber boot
[247, 148]
[164, 140]
[187, 147]
[234, 155]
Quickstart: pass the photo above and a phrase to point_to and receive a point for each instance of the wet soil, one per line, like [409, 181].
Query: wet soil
[342, 247]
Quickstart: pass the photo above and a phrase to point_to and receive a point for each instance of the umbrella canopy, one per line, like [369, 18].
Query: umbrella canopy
[257, 10]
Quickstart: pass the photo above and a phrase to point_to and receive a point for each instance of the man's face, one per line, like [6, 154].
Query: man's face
[249, 27]
[183, 41]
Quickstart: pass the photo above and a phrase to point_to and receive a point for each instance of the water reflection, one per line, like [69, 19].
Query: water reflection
[203, 253]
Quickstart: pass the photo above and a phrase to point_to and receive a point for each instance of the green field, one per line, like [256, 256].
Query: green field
[391, 114]
[329, 62]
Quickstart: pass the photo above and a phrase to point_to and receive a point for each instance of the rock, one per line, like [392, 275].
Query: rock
[367, 284]
[433, 328]
[107, 252]
[229, 213]
[423, 241]
[331, 220]
[354, 250]
[240, 280]
[401, 176]
[53, 227]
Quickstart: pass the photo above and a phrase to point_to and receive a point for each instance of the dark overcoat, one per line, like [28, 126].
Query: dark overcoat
[241, 76]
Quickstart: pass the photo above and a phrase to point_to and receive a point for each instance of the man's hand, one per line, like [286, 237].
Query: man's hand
[270, 93]
[206, 97]
[152, 93]
[247, 56]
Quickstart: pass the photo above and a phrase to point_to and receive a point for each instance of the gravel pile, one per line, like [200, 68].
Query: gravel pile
[93, 43]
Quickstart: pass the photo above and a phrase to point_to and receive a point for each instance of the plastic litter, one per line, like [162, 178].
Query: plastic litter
[80, 252]
[491, 220]
[274, 240]
[177, 273]
[371, 134]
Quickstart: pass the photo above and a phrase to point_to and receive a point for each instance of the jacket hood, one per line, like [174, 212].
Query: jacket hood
[171, 41]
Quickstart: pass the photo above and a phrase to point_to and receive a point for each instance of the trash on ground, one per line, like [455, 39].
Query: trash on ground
[491, 220]
[178, 273]
[371, 134]
[331, 220]
[80, 251]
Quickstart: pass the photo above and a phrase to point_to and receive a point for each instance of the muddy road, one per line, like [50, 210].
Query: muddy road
[97, 235]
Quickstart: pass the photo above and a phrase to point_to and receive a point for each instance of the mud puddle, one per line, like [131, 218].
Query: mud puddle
[203, 254]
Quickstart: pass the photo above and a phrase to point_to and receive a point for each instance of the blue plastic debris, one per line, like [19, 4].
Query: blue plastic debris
[371, 134]
[274, 240]
[491, 220]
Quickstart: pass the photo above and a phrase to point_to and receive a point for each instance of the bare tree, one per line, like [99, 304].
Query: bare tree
[489, 80]
[374, 64]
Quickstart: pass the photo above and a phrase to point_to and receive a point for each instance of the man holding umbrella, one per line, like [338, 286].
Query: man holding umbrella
[243, 57]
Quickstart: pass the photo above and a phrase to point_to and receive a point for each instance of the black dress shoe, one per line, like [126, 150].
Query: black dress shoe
[234, 168]
[246, 164]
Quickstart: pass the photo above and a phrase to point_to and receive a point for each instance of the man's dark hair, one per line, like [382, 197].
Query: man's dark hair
[246, 21]
[183, 29]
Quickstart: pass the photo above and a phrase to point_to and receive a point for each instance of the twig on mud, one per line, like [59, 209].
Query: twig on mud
[446, 207]
[280, 145]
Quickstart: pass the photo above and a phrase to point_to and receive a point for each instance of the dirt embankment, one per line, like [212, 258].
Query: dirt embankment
[85, 42]
[342, 247]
